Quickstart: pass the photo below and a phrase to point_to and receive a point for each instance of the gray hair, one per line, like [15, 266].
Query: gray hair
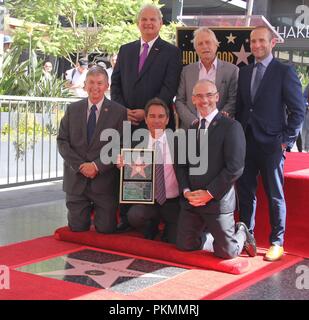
[149, 6]
[205, 30]
[96, 70]
[204, 81]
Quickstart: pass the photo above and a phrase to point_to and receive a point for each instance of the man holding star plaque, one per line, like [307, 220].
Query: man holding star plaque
[147, 213]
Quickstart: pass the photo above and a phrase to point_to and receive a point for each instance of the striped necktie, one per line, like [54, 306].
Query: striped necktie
[160, 192]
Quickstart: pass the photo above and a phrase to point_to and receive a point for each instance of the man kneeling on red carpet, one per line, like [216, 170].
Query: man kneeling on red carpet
[166, 207]
[206, 219]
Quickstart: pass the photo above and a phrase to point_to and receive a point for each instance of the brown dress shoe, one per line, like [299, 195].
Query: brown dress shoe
[274, 253]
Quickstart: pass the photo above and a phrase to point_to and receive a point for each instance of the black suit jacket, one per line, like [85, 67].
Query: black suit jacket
[226, 158]
[159, 76]
[73, 147]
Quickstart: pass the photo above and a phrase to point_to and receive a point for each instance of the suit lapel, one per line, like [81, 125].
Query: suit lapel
[219, 75]
[84, 114]
[155, 50]
[214, 123]
[265, 80]
[135, 59]
[247, 81]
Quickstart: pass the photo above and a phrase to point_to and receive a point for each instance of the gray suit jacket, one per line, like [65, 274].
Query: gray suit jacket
[226, 82]
[73, 147]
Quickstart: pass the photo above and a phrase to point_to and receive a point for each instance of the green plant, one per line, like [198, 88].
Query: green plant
[27, 79]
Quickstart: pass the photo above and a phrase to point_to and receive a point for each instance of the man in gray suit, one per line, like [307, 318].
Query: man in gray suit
[209, 67]
[90, 184]
[209, 200]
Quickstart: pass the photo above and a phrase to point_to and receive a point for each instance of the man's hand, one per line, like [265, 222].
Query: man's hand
[88, 169]
[225, 113]
[198, 198]
[120, 161]
[136, 116]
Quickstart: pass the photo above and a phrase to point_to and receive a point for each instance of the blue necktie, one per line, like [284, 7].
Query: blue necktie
[92, 120]
[257, 79]
[160, 192]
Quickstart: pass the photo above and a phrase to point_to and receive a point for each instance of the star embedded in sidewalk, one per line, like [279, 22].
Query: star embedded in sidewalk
[242, 55]
[105, 274]
[230, 38]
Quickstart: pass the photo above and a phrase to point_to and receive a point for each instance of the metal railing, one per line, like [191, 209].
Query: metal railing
[28, 146]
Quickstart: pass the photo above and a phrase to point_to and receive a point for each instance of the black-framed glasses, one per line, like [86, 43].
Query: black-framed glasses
[206, 95]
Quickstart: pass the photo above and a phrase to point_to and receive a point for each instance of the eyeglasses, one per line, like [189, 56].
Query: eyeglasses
[206, 95]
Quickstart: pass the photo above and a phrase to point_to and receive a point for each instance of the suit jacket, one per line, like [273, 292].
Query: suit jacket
[277, 111]
[226, 82]
[226, 159]
[73, 147]
[159, 76]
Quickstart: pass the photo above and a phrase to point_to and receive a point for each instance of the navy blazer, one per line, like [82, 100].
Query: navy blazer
[159, 76]
[276, 114]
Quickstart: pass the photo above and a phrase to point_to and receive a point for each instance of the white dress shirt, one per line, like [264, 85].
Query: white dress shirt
[208, 75]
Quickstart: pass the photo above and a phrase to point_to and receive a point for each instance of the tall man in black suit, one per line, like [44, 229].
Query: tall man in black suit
[270, 108]
[209, 199]
[147, 68]
[89, 183]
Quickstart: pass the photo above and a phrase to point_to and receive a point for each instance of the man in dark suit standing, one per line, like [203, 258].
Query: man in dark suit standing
[90, 183]
[146, 68]
[209, 198]
[270, 108]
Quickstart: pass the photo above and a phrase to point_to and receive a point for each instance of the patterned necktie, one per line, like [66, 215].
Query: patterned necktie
[92, 120]
[160, 193]
[143, 56]
[257, 79]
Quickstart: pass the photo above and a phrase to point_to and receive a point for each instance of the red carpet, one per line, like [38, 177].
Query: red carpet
[153, 250]
[296, 190]
[191, 284]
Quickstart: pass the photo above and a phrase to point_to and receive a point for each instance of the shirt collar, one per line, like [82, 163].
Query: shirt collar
[213, 66]
[98, 105]
[210, 117]
[265, 62]
[150, 43]
[162, 139]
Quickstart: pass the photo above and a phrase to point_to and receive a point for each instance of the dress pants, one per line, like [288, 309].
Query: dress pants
[220, 236]
[141, 214]
[270, 167]
[81, 206]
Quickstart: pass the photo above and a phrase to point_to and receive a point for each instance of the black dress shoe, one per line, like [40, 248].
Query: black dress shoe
[250, 244]
[123, 227]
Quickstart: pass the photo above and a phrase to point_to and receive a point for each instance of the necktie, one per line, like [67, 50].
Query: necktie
[91, 123]
[257, 80]
[160, 193]
[143, 56]
[203, 124]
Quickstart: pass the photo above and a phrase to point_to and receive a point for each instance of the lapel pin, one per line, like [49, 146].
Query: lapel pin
[105, 109]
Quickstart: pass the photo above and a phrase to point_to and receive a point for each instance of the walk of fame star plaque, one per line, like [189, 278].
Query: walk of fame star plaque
[137, 176]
